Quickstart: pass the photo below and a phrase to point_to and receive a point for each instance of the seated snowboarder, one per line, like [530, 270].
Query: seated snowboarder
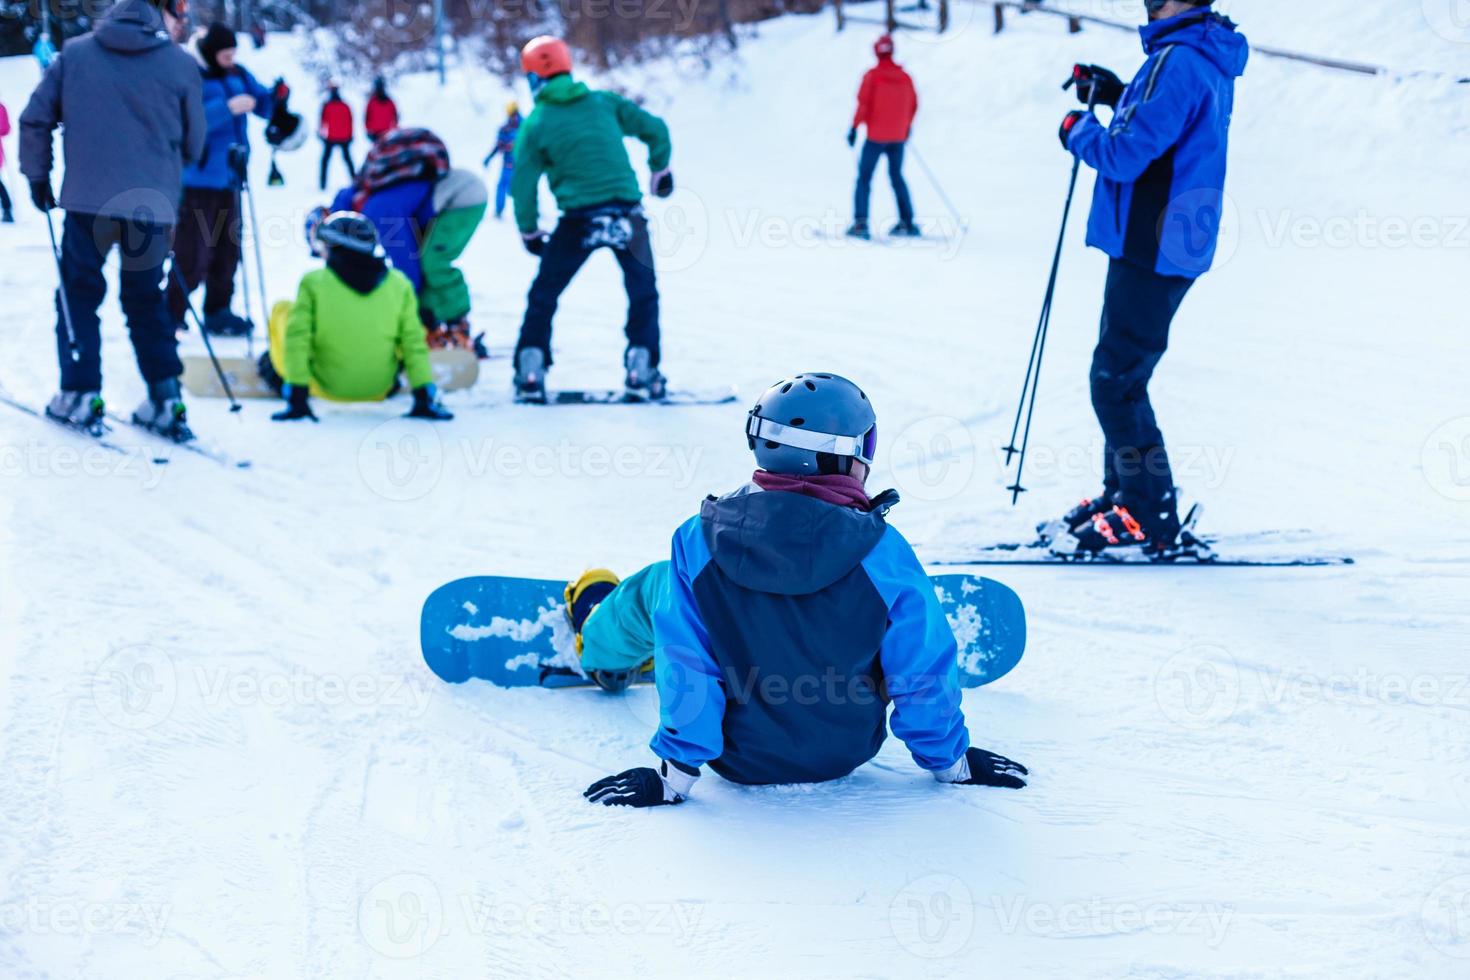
[790, 617]
[426, 212]
[353, 327]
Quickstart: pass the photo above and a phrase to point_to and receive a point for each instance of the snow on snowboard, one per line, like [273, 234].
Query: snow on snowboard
[514, 632]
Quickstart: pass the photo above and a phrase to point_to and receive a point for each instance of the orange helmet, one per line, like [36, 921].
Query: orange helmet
[546, 57]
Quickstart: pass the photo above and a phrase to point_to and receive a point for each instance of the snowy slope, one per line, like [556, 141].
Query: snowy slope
[222, 757]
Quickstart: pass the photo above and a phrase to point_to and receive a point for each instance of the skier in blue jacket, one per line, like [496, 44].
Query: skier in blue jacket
[1156, 213]
[207, 242]
[789, 619]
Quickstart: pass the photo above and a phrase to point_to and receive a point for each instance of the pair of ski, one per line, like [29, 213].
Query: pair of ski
[98, 434]
[1193, 551]
[611, 396]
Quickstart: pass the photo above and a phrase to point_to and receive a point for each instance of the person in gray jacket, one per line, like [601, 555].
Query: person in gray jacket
[131, 102]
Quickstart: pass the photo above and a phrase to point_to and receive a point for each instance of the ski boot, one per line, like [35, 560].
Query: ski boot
[82, 410]
[530, 379]
[1049, 531]
[644, 383]
[1154, 531]
[224, 323]
[905, 229]
[163, 413]
[859, 229]
[583, 597]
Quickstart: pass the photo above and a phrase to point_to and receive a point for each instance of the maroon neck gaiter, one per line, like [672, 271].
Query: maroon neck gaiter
[834, 488]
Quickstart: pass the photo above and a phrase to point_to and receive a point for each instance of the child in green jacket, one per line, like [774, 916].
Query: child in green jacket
[353, 327]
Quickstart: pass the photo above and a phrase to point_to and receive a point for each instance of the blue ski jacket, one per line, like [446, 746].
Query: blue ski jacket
[402, 214]
[788, 627]
[1161, 162]
[225, 128]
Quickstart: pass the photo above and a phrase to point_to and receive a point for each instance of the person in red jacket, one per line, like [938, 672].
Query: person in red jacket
[7, 215]
[336, 131]
[381, 117]
[887, 104]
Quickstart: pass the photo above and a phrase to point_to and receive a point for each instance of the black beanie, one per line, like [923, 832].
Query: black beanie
[218, 38]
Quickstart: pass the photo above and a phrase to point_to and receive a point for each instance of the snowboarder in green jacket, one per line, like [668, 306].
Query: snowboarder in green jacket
[575, 137]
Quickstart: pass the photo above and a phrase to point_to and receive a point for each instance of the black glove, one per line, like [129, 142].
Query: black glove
[534, 241]
[426, 405]
[1071, 120]
[299, 407]
[852, 136]
[666, 785]
[663, 183]
[1096, 85]
[42, 196]
[983, 768]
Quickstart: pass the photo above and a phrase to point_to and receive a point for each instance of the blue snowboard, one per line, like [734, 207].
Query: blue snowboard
[514, 632]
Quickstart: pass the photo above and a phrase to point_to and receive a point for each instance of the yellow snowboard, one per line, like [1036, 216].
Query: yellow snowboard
[454, 370]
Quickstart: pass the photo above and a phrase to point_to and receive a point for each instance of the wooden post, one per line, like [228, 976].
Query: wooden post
[1000, 19]
[943, 16]
[1074, 26]
[891, 16]
[841, 16]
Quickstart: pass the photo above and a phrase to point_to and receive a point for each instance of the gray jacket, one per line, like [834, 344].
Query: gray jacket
[131, 102]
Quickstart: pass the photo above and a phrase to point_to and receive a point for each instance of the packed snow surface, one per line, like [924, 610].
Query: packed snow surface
[222, 756]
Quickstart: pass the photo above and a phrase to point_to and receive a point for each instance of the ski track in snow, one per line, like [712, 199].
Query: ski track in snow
[222, 756]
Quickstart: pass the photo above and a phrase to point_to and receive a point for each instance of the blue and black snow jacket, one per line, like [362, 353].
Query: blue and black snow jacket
[788, 628]
[225, 128]
[1161, 162]
[402, 214]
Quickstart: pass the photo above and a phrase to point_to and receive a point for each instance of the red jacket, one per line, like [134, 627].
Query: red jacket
[381, 117]
[887, 103]
[337, 125]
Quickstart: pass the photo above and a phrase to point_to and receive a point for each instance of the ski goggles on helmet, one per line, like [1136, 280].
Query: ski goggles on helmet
[862, 448]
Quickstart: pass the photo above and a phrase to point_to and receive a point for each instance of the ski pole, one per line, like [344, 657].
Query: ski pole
[245, 273]
[960, 222]
[1043, 328]
[219, 370]
[71, 330]
[259, 267]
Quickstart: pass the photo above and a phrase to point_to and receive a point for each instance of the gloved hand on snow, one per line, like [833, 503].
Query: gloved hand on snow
[669, 784]
[426, 405]
[535, 241]
[980, 768]
[299, 397]
[1096, 85]
[662, 183]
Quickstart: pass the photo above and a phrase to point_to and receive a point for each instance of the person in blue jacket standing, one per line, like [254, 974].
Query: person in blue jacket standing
[505, 145]
[1156, 213]
[789, 619]
[207, 243]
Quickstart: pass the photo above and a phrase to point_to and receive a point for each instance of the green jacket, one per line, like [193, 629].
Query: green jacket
[575, 137]
[351, 344]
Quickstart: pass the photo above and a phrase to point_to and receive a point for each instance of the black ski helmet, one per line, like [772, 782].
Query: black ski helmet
[811, 424]
[349, 230]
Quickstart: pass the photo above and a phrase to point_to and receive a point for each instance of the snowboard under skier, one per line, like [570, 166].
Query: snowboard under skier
[788, 620]
[130, 101]
[426, 212]
[574, 137]
[887, 104]
[1156, 213]
[353, 328]
[207, 243]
